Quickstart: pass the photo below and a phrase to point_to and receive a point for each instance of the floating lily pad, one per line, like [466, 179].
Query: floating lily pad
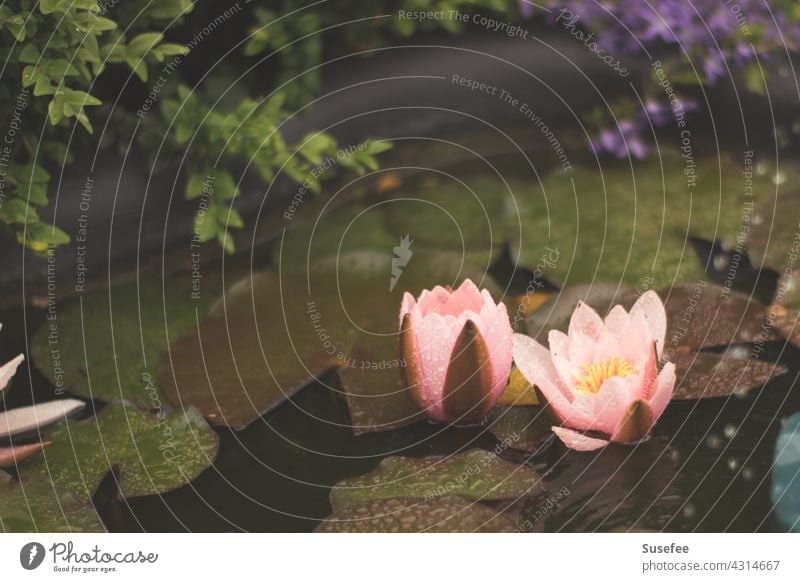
[786, 474]
[444, 514]
[38, 506]
[151, 453]
[625, 224]
[266, 342]
[524, 428]
[375, 389]
[704, 316]
[713, 375]
[475, 474]
[109, 351]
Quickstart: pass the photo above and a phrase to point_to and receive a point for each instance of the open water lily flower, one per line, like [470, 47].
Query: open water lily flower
[603, 376]
[456, 346]
[28, 419]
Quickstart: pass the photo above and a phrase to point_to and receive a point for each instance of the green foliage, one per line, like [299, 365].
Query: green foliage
[73, 65]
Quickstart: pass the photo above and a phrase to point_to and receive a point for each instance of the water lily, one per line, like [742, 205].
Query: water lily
[456, 346]
[28, 419]
[603, 376]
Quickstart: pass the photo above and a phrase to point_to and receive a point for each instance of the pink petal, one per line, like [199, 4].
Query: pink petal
[466, 298]
[498, 336]
[586, 321]
[651, 306]
[13, 455]
[636, 336]
[617, 320]
[578, 441]
[407, 305]
[607, 406]
[534, 361]
[581, 348]
[8, 370]
[435, 341]
[433, 300]
[608, 345]
[665, 386]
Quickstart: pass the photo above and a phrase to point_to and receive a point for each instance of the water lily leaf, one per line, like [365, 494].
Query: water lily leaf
[632, 222]
[705, 316]
[787, 324]
[444, 514]
[374, 387]
[518, 392]
[152, 454]
[523, 428]
[475, 474]
[109, 351]
[38, 506]
[265, 342]
[785, 489]
[712, 375]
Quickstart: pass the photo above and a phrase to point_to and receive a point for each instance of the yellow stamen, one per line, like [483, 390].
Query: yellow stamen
[595, 374]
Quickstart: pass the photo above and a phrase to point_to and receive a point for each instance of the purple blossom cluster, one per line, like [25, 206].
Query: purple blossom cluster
[715, 34]
[627, 139]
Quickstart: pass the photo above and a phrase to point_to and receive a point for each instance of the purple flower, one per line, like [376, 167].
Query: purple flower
[526, 8]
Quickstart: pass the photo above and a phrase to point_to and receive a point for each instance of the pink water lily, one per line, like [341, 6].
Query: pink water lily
[603, 376]
[456, 346]
[28, 418]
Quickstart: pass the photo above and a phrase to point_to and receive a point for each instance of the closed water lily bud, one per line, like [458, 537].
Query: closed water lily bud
[457, 350]
[603, 375]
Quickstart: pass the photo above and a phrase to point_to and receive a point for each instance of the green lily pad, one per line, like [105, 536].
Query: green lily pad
[524, 428]
[152, 453]
[712, 375]
[476, 474]
[444, 514]
[38, 506]
[705, 316]
[110, 351]
[374, 387]
[629, 224]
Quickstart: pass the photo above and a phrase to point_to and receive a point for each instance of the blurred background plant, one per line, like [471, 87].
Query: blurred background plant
[83, 74]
